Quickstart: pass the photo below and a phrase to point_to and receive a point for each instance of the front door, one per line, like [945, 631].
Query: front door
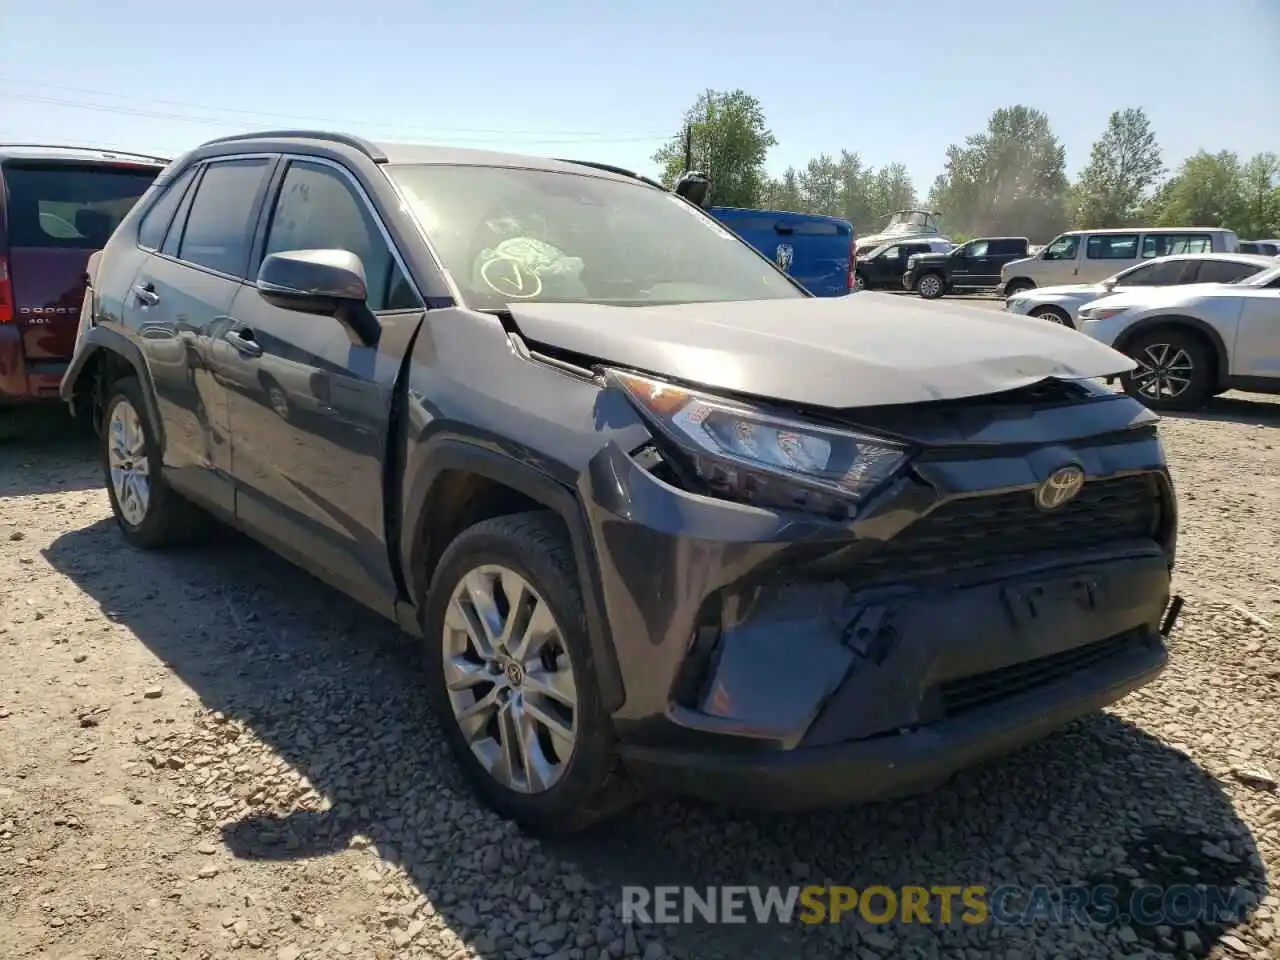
[310, 408]
[1257, 348]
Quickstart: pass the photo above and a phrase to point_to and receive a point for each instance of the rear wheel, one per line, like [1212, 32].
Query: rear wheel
[931, 286]
[149, 512]
[1175, 370]
[1054, 315]
[512, 677]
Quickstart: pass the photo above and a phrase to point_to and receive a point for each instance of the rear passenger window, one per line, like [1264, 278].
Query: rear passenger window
[1164, 244]
[318, 209]
[156, 220]
[219, 226]
[1108, 246]
[1223, 271]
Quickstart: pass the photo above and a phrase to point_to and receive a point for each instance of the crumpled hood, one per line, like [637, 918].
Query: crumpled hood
[865, 349]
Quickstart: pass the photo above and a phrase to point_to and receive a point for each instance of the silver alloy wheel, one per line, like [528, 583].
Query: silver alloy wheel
[1164, 371]
[929, 286]
[279, 402]
[127, 460]
[859, 283]
[509, 679]
[1053, 316]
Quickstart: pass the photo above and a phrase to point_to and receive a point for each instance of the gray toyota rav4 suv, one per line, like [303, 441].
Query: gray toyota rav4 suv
[659, 517]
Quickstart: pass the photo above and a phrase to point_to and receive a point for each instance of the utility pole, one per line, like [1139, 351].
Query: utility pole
[688, 147]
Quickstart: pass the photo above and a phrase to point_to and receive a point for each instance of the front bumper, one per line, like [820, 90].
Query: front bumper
[751, 643]
[899, 763]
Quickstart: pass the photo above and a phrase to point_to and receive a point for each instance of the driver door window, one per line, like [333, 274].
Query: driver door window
[1064, 248]
[318, 210]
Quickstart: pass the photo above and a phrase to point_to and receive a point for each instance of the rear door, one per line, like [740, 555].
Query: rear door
[57, 214]
[177, 299]
[1257, 346]
[814, 250]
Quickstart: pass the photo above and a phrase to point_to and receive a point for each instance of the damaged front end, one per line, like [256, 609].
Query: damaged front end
[812, 607]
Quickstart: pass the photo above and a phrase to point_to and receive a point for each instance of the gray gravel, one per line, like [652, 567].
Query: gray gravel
[207, 754]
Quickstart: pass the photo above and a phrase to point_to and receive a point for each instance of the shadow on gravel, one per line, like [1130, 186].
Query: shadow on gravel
[332, 690]
[1249, 409]
[57, 456]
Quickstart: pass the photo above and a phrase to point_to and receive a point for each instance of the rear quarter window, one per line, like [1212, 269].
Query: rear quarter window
[69, 206]
[155, 222]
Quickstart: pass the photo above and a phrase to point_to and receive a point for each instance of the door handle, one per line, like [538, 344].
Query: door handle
[243, 341]
[146, 294]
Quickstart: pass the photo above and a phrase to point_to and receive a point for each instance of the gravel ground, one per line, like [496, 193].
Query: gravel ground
[208, 754]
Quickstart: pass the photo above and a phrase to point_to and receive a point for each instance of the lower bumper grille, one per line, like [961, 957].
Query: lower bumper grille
[956, 697]
[1006, 527]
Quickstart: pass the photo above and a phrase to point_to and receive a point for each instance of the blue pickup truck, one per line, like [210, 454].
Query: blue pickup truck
[815, 250]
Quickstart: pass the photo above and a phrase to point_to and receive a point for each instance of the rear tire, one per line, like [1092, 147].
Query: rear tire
[151, 515]
[1175, 370]
[931, 286]
[586, 780]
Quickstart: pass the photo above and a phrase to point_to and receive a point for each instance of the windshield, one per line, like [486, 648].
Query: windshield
[507, 235]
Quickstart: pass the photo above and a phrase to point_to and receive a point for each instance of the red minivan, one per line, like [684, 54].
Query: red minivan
[57, 206]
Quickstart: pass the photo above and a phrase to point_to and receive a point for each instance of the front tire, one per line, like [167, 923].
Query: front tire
[931, 286]
[1054, 315]
[1016, 287]
[859, 282]
[150, 514]
[1175, 370]
[512, 678]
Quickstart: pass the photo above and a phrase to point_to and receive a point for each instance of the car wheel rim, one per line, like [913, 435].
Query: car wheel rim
[127, 460]
[859, 284]
[509, 679]
[1164, 372]
[1053, 316]
[279, 402]
[929, 286]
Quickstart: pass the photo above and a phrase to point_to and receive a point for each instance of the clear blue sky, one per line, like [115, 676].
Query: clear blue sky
[606, 81]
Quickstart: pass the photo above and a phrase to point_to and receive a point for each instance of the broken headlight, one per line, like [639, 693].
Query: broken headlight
[763, 458]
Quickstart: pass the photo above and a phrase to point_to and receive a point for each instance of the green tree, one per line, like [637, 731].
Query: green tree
[820, 186]
[1206, 191]
[730, 141]
[890, 189]
[784, 193]
[1124, 165]
[1009, 179]
[1260, 200]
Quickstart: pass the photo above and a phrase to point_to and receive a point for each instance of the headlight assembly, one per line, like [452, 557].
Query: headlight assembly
[770, 460]
[1103, 313]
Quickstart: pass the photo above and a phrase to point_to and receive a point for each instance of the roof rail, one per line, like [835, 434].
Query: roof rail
[67, 146]
[621, 171]
[370, 150]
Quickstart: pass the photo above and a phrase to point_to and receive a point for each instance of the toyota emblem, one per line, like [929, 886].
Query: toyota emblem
[1059, 488]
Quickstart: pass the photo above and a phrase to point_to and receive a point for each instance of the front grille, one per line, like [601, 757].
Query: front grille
[971, 693]
[1008, 527]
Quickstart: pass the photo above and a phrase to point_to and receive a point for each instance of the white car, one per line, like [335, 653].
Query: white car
[1062, 304]
[1193, 342]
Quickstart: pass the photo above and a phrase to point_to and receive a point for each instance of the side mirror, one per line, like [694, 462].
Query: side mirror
[328, 283]
[694, 187]
[1109, 283]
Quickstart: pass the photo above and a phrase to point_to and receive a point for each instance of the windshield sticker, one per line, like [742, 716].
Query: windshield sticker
[701, 217]
[509, 277]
